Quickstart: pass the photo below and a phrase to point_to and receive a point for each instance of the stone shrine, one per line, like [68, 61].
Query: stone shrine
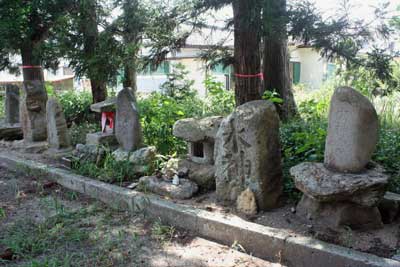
[347, 189]
[200, 137]
[107, 134]
[248, 155]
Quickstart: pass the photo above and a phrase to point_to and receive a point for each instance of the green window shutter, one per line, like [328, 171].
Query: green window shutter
[296, 72]
[219, 69]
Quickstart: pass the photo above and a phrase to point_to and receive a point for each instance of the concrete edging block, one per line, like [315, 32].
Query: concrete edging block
[277, 245]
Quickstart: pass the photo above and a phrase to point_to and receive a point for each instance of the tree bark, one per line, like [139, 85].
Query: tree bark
[34, 99]
[90, 32]
[247, 22]
[276, 57]
[130, 78]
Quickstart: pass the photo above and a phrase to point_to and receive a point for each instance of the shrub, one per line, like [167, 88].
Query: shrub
[76, 106]
[158, 114]
[218, 101]
[78, 132]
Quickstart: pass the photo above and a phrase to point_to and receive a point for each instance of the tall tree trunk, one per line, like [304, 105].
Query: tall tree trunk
[90, 32]
[276, 57]
[247, 24]
[130, 79]
[34, 99]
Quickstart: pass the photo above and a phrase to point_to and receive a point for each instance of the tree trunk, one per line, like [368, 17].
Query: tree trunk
[34, 99]
[247, 22]
[130, 79]
[88, 27]
[276, 57]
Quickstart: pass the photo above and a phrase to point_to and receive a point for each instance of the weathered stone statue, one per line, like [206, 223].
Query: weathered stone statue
[57, 130]
[128, 130]
[346, 189]
[33, 111]
[248, 155]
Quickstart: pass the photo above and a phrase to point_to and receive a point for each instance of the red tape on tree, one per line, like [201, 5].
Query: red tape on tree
[31, 67]
[258, 75]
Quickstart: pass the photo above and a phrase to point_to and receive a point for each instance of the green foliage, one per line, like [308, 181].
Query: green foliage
[76, 106]
[158, 114]
[272, 96]
[109, 170]
[28, 240]
[219, 101]
[178, 86]
[78, 132]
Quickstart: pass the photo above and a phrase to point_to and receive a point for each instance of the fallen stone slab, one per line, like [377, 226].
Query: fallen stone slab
[275, 245]
[100, 138]
[185, 190]
[10, 132]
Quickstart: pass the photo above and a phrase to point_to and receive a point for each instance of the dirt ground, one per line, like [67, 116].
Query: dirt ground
[383, 242]
[42, 224]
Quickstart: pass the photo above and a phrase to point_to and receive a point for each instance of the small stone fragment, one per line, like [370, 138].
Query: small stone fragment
[186, 189]
[246, 202]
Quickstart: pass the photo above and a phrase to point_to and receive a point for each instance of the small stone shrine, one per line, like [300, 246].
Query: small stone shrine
[200, 136]
[248, 156]
[107, 134]
[347, 188]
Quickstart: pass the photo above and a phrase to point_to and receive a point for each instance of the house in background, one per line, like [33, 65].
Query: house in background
[306, 65]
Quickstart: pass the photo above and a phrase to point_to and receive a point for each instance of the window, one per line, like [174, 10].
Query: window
[295, 70]
[220, 69]
[162, 69]
[330, 71]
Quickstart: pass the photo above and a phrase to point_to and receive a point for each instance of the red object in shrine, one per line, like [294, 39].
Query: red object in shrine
[107, 116]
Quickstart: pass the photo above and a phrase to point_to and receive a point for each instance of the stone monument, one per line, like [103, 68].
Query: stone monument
[347, 188]
[57, 130]
[248, 155]
[10, 129]
[200, 137]
[12, 104]
[128, 130]
[33, 111]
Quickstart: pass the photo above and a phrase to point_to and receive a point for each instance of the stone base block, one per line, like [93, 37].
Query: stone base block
[201, 174]
[185, 190]
[10, 132]
[339, 214]
[100, 138]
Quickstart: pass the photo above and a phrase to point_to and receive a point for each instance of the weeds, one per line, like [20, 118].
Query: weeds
[162, 233]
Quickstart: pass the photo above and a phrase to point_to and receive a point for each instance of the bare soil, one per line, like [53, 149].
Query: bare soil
[42, 224]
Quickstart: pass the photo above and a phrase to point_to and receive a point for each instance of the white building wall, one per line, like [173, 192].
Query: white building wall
[313, 66]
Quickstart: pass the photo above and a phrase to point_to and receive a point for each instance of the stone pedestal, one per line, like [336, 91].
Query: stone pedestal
[100, 138]
[335, 199]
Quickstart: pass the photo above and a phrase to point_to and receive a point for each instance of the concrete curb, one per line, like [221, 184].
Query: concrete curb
[275, 245]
